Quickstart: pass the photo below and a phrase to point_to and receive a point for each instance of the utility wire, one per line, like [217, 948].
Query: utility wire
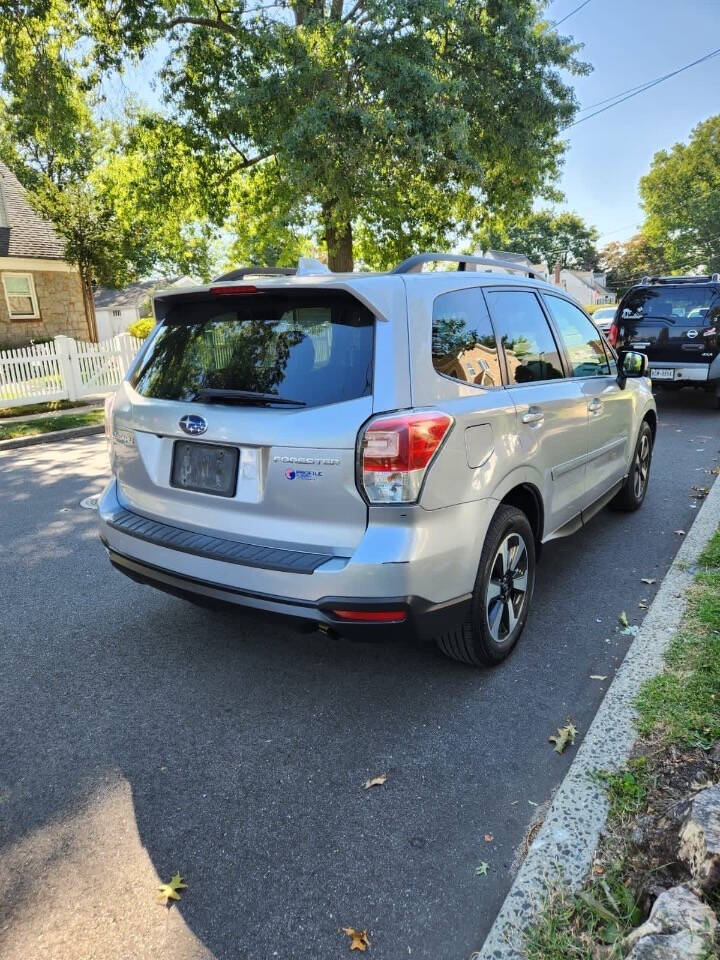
[652, 83]
[572, 13]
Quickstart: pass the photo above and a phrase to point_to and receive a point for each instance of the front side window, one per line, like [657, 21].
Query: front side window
[463, 342]
[20, 296]
[307, 347]
[582, 341]
[530, 349]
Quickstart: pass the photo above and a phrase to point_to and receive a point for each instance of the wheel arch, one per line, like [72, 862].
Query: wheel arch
[527, 498]
[651, 419]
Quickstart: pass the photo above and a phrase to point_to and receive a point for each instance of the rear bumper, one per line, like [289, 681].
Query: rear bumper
[421, 619]
[420, 562]
[682, 371]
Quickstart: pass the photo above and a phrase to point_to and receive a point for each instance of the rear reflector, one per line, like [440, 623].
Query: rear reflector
[231, 291]
[371, 616]
[395, 453]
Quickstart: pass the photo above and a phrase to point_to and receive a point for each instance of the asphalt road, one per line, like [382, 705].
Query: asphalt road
[141, 736]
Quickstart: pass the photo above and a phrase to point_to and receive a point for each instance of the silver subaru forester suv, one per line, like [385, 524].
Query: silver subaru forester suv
[372, 454]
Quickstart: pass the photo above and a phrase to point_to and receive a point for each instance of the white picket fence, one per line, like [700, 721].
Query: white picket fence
[64, 369]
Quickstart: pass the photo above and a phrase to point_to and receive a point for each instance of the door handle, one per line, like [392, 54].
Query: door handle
[533, 415]
[595, 406]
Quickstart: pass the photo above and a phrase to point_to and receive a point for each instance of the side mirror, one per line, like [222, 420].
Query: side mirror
[632, 365]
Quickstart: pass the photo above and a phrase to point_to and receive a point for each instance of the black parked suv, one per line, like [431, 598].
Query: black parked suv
[676, 322]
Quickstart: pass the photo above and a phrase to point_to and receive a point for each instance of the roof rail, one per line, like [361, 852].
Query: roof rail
[414, 264]
[715, 278]
[256, 272]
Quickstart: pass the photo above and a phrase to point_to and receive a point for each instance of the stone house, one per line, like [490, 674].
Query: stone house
[41, 294]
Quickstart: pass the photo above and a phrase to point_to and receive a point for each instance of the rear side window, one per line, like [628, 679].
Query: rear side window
[686, 306]
[530, 349]
[582, 341]
[463, 341]
[311, 347]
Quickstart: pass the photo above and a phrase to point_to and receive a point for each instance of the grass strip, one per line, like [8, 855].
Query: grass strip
[678, 716]
[31, 428]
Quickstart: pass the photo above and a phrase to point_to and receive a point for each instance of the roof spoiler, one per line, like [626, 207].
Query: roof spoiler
[464, 262]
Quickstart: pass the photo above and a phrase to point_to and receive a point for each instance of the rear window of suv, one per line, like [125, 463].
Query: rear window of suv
[310, 347]
[682, 305]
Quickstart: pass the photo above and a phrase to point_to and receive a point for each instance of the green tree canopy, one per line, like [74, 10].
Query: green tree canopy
[681, 199]
[353, 103]
[546, 237]
[627, 263]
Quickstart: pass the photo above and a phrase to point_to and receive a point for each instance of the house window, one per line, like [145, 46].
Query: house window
[117, 313]
[20, 296]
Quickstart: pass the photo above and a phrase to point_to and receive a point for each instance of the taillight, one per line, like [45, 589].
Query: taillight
[395, 453]
[613, 334]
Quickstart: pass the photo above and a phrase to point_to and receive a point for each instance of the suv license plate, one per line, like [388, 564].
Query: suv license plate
[205, 468]
[660, 373]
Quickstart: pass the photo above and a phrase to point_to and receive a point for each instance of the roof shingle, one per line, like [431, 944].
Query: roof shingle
[29, 234]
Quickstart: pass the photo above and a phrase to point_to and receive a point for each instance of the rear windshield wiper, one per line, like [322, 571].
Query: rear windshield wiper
[208, 395]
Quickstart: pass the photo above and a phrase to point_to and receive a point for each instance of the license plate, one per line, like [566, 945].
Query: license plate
[205, 468]
[658, 373]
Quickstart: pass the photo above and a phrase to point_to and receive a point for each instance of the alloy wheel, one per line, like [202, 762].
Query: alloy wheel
[642, 466]
[507, 588]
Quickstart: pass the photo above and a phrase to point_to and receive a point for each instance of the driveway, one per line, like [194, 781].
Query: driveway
[142, 736]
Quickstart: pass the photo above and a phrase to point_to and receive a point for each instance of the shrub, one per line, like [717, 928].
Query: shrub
[141, 328]
[592, 307]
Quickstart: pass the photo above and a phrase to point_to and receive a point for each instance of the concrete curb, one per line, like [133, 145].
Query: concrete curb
[565, 844]
[53, 436]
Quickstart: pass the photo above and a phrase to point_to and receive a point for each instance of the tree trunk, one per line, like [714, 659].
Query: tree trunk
[338, 238]
[89, 303]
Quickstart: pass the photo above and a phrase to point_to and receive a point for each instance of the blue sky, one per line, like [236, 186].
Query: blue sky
[629, 42]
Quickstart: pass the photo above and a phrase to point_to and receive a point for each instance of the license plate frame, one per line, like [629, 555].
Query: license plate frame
[662, 373]
[192, 461]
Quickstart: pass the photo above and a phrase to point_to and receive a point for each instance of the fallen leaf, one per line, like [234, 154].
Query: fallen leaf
[623, 620]
[482, 869]
[488, 838]
[169, 891]
[680, 533]
[565, 735]
[376, 781]
[700, 492]
[648, 580]
[596, 676]
[358, 938]
[598, 869]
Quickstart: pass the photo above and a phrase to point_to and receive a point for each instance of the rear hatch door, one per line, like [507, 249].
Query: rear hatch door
[245, 411]
[671, 324]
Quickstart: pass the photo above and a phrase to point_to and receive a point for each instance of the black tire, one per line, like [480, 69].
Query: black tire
[632, 492]
[478, 641]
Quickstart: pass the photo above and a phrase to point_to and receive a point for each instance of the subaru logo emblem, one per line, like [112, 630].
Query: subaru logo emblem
[692, 334]
[193, 425]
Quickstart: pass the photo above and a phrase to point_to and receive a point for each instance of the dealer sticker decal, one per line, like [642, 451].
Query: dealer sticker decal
[303, 474]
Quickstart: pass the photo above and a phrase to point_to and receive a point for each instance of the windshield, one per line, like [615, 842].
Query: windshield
[309, 347]
[607, 313]
[681, 305]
